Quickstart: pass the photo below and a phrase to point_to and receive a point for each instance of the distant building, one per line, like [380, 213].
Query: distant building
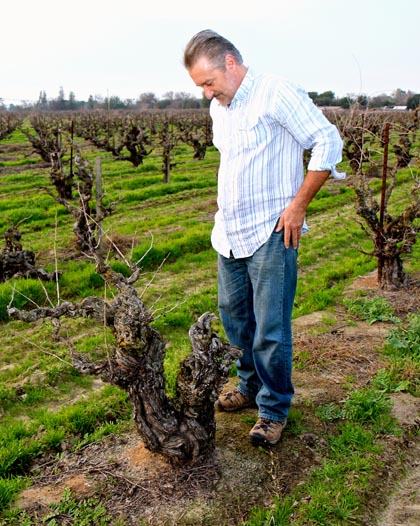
[393, 108]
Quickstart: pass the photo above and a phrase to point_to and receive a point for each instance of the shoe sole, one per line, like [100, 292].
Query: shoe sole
[260, 441]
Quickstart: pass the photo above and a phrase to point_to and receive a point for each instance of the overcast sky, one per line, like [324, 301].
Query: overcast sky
[127, 47]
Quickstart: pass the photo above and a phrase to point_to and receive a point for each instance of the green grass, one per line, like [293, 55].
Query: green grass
[371, 309]
[83, 512]
[166, 229]
[335, 491]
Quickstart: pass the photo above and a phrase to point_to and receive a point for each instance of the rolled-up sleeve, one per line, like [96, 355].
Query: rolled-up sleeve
[309, 126]
[326, 151]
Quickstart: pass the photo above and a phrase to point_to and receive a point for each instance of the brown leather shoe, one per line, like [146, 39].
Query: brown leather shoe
[233, 401]
[266, 432]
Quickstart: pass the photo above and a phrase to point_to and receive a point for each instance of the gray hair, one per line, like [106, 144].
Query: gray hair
[211, 45]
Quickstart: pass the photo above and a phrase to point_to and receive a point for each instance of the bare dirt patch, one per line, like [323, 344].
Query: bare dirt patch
[333, 351]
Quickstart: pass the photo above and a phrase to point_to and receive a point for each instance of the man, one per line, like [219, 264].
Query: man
[261, 126]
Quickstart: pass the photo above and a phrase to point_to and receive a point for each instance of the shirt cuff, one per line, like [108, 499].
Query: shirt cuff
[320, 168]
[337, 175]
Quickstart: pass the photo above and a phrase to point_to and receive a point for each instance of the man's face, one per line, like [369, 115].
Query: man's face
[216, 82]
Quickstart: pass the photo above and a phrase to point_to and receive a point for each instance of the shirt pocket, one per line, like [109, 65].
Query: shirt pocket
[248, 133]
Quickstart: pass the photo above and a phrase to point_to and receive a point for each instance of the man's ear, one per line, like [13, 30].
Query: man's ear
[230, 61]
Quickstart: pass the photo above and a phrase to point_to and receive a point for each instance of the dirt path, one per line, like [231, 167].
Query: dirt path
[403, 508]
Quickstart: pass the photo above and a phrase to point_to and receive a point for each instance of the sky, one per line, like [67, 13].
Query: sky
[125, 48]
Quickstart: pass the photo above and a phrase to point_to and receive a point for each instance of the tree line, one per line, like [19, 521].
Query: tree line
[399, 97]
[183, 100]
[145, 101]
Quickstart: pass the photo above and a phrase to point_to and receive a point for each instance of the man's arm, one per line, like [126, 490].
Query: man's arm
[293, 216]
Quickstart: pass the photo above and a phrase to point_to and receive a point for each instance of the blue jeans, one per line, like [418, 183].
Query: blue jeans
[256, 296]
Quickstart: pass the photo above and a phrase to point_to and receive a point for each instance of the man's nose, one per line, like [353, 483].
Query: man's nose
[208, 93]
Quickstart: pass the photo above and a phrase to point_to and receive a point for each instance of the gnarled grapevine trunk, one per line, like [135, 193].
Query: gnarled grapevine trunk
[182, 429]
[394, 276]
[397, 235]
[18, 263]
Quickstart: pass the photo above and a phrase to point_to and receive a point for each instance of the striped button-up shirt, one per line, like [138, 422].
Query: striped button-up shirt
[261, 137]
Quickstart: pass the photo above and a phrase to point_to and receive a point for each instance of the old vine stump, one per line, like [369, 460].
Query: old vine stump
[182, 429]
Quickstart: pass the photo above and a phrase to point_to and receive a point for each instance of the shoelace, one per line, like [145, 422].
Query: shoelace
[265, 425]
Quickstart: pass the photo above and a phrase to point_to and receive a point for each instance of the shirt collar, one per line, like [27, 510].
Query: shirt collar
[243, 90]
